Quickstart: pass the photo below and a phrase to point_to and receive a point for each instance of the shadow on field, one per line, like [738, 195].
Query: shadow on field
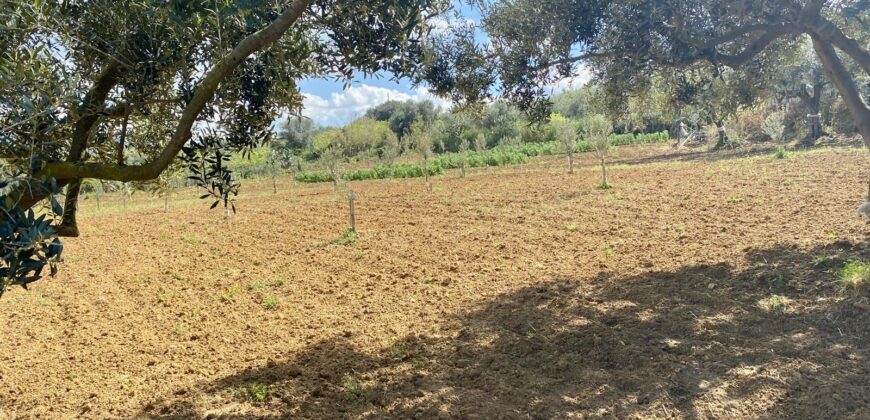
[693, 343]
[689, 155]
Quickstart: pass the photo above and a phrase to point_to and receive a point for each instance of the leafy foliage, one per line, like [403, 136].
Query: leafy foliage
[774, 126]
[208, 161]
[401, 115]
[28, 242]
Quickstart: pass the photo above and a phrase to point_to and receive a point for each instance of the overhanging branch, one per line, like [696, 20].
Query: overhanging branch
[573, 59]
[203, 94]
[829, 32]
[751, 50]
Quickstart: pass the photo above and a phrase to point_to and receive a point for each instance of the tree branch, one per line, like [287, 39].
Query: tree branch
[751, 50]
[731, 36]
[92, 102]
[573, 59]
[203, 94]
[829, 32]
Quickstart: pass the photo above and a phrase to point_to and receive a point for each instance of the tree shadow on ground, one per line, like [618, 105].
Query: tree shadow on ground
[695, 155]
[705, 341]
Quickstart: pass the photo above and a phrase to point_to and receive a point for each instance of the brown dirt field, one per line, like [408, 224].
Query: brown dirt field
[521, 292]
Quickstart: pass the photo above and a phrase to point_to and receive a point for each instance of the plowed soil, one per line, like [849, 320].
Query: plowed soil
[701, 285]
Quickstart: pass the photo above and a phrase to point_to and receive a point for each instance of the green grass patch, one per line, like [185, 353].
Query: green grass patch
[855, 277]
[253, 392]
[270, 302]
[347, 237]
[781, 153]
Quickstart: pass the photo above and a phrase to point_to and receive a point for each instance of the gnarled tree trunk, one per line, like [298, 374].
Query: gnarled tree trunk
[836, 71]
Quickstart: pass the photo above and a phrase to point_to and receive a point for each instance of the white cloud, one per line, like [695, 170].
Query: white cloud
[577, 81]
[342, 107]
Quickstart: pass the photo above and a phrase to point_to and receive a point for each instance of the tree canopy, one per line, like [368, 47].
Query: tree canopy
[626, 44]
[400, 115]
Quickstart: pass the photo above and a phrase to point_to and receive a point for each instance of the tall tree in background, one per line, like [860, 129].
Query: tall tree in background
[366, 136]
[294, 137]
[718, 98]
[81, 81]
[421, 140]
[502, 121]
[401, 115]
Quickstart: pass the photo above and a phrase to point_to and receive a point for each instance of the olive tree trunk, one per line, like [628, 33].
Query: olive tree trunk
[723, 140]
[836, 71]
[351, 201]
[426, 172]
[570, 161]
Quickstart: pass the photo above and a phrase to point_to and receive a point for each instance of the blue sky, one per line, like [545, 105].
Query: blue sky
[328, 103]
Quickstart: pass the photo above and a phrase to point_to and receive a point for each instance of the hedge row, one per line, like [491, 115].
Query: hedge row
[625, 139]
[403, 170]
[479, 159]
[512, 155]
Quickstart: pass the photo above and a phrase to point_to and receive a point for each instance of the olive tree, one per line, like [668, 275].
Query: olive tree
[421, 138]
[596, 130]
[329, 144]
[804, 78]
[774, 126]
[565, 131]
[480, 142]
[82, 81]
[463, 156]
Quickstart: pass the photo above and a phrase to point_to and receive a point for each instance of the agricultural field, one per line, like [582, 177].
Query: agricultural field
[701, 285]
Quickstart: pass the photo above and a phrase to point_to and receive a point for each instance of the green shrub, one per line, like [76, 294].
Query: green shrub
[781, 153]
[317, 176]
[347, 237]
[496, 157]
[627, 139]
[403, 170]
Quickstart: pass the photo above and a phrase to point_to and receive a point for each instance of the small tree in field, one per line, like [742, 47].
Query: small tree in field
[463, 156]
[331, 159]
[565, 131]
[421, 137]
[162, 187]
[330, 145]
[774, 126]
[596, 130]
